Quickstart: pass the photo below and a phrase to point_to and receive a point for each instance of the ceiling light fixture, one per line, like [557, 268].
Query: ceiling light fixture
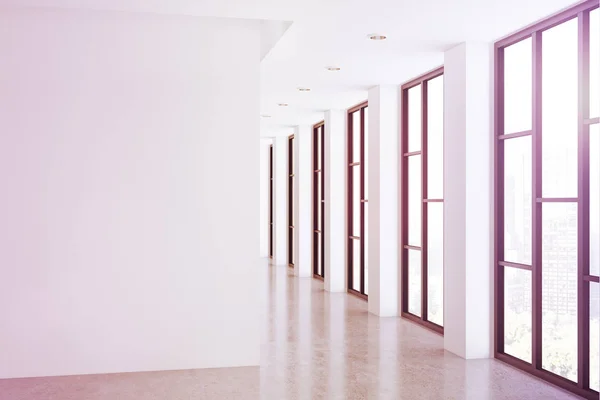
[333, 68]
[303, 89]
[377, 36]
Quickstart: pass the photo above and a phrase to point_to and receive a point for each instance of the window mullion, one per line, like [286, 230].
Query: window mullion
[537, 207]
[362, 196]
[424, 283]
[583, 211]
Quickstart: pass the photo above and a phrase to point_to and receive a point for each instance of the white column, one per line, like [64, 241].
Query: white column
[281, 174]
[335, 201]
[467, 196]
[382, 236]
[303, 200]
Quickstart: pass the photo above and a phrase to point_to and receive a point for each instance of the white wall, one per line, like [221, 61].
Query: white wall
[383, 198]
[303, 196]
[129, 198]
[468, 168]
[280, 196]
[336, 233]
[455, 70]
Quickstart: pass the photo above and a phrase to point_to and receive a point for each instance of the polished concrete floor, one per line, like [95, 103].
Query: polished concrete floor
[316, 345]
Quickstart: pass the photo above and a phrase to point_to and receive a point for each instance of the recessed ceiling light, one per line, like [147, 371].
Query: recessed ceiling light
[377, 36]
[333, 68]
[303, 89]
[265, 116]
[282, 104]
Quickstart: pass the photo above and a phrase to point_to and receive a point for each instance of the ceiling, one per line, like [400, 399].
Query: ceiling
[418, 31]
[302, 37]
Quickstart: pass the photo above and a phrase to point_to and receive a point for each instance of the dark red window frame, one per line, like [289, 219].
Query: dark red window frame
[318, 244]
[271, 244]
[405, 246]
[584, 280]
[291, 177]
[353, 166]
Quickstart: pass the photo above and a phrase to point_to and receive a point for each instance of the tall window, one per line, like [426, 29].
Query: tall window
[291, 177]
[357, 200]
[548, 199]
[422, 236]
[319, 200]
[271, 244]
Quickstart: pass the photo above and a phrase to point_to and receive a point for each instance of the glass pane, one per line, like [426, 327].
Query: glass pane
[356, 264]
[517, 200]
[291, 155]
[435, 138]
[356, 136]
[366, 157]
[366, 275]
[318, 205]
[595, 199]
[356, 200]
[318, 149]
[594, 63]
[594, 336]
[517, 86]
[366, 215]
[414, 200]
[317, 254]
[291, 244]
[414, 118]
[517, 313]
[414, 282]
[366, 241]
[292, 202]
[435, 263]
[559, 289]
[321, 259]
[559, 110]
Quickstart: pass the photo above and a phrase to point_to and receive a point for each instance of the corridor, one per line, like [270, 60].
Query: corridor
[318, 345]
[315, 345]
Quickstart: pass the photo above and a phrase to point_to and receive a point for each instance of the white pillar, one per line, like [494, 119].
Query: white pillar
[281, 174]
[468, 182]
[303, 194]
[336, 237]
[382, 237]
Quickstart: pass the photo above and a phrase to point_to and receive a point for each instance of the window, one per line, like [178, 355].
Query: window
[422, 229]
[548, 199]
[357, 200]
[271, 247]
[291, 178]
[319, 200]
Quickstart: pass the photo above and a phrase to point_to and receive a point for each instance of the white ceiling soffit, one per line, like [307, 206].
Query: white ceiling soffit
[270, 33]
[284, 10]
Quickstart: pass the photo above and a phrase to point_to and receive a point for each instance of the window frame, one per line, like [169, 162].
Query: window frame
[581, 387]
[290, 195]
[318, 154]
[351, 239]
[271, 193]
[404, 193]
